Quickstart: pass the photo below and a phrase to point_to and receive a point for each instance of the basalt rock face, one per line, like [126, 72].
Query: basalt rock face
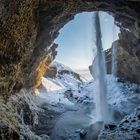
[9, 128]
[19, 117]
[128, 59]
[29, 27]
[18, 32]
[51, 72]
[127, 129]
[42, 67]
[108, 59]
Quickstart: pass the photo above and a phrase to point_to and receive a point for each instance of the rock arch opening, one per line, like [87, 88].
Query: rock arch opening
[28, 29]
[77, 39]
[51, 22]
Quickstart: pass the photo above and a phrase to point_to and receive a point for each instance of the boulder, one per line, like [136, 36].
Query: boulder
[110, 126]
[126, 129]
[82, 133]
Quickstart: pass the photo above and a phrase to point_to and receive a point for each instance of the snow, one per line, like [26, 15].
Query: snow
[54, 98]
[51, 85]
[76, 100]
[114, 90]
[55, 87]
[67, 90]
[85, 73]
[60, 66]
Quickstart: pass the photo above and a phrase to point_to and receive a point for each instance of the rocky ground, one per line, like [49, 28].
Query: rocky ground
[64, 109]
[74, 107]
[27, 32]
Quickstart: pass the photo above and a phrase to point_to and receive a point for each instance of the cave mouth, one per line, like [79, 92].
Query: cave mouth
[28, 30]
[85, 116]
[124, 17]
[76, 41]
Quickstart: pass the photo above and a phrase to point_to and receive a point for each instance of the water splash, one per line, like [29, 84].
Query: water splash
[99, 72]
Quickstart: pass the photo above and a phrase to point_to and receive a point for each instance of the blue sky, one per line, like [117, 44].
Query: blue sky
[76, 39]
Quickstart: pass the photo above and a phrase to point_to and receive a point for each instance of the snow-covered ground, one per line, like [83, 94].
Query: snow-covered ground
[65, 105]
[51, 85]
[85, 73]
[66, 89]
[77, 100]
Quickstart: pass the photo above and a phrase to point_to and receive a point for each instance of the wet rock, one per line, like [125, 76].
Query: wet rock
[137, 89]
[124, 129]
[7, 133]
[110, 126]
[126, 121]
[133, 121]
[51, 117]
[127, 129]
[45, 137]
[128, 62]
[56, 69]
[51, 72]
[138, 116]
[120, 80]
[117, 115]
[24, 110]
[82, 133]
[138, 130]
[42, 67]
[77, 131]
[108, 58]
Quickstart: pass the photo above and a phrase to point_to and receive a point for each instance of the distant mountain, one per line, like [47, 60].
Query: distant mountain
[58, 76]
[85, 73]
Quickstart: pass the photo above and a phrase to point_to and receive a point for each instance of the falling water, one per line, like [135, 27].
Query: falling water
[114, 58]
[98, 72]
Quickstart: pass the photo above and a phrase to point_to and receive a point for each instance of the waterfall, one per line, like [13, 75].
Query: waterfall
[114, 54]
[98, 71]
[114, 58]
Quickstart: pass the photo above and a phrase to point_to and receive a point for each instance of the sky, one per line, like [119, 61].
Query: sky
[77, 39]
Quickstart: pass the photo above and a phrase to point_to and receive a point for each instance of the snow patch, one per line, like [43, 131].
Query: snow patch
[51, 85]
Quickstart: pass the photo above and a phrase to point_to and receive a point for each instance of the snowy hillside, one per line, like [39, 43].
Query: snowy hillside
[53, 89]
[85, 73]
[65, 78]
[68, 87]
[65, 92]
